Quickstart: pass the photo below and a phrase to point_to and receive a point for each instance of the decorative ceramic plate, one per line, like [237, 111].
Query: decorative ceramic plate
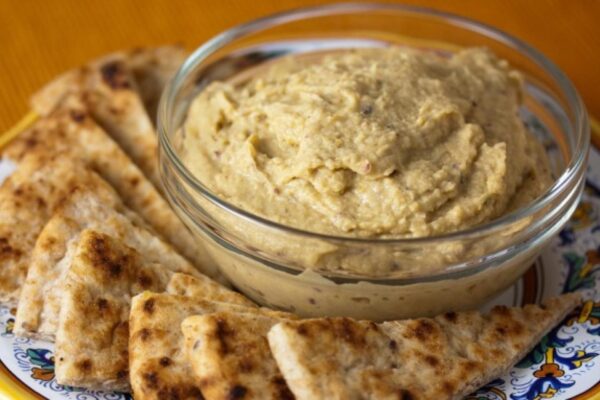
[564, 365]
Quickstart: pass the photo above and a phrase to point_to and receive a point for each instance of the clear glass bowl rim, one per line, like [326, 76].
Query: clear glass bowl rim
[563, 182]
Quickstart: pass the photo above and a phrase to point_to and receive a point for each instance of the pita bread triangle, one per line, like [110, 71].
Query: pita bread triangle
[108, 89]
[152, 68]
[230, 356]
[158, 366]
[108, 92]
[103, 275]
[70, 130]
[27, 200]
[39, 304]
[446, 357]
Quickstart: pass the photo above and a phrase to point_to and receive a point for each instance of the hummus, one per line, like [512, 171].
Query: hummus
[382, 142]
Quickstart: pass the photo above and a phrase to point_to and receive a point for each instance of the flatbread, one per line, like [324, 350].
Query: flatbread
[230, 356]
[446, 357]
[152, 68]
[109, 92]
[104, 274]
[112, 98]
[71, 130]
[27, 200]
[108, 88]
[192, 286]
[39, 304]
[158, 366]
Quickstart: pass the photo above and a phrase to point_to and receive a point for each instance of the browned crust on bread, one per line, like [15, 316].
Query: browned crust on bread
[97, 208]
[71, 132]
[103, 276]
[27, 200]
[230, 356]
[446, 357]
[156, 336]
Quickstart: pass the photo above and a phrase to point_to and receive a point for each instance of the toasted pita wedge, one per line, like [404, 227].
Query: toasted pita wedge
[112, 98]
[158, 367]
[446, 357]
[103, 275]
[108, 88]
[39, 304]
[109, 92]
[152, 68]
[192, 286]
[230, 356]
[27, 200]
[70, 130]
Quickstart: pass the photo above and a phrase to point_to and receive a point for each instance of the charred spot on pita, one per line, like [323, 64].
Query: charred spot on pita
[222, 333]
[282, 389]
[102, 256]
[6, 250]
[144, 280]
[114, 76]
[347, 330]
[102, 304]
[165, 361]
[237, 392]
[134, 181]
[149, 306]
[424, 329]
[77, 116]
[31, 142]
[151, 379]
[432, 360]
[170, 393]
[302, 330]
[501, 310]
[144, 334]
[84, 365]
[448, 386]
[194, 393]
[40, 202]
[451, 316]
[246, 365]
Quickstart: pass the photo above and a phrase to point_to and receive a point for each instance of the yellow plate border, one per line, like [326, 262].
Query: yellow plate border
[21, 126]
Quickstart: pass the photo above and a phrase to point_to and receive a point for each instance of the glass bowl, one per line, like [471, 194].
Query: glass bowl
[379, 279]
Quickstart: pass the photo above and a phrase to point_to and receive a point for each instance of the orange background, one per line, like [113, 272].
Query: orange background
[39, 39]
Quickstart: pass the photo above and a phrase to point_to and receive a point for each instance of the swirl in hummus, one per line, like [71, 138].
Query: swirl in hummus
[385, 142]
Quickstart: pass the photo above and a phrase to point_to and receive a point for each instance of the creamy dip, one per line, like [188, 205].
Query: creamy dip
[382, 142]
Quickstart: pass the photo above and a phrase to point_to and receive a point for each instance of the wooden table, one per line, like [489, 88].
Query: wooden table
[39, 39]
